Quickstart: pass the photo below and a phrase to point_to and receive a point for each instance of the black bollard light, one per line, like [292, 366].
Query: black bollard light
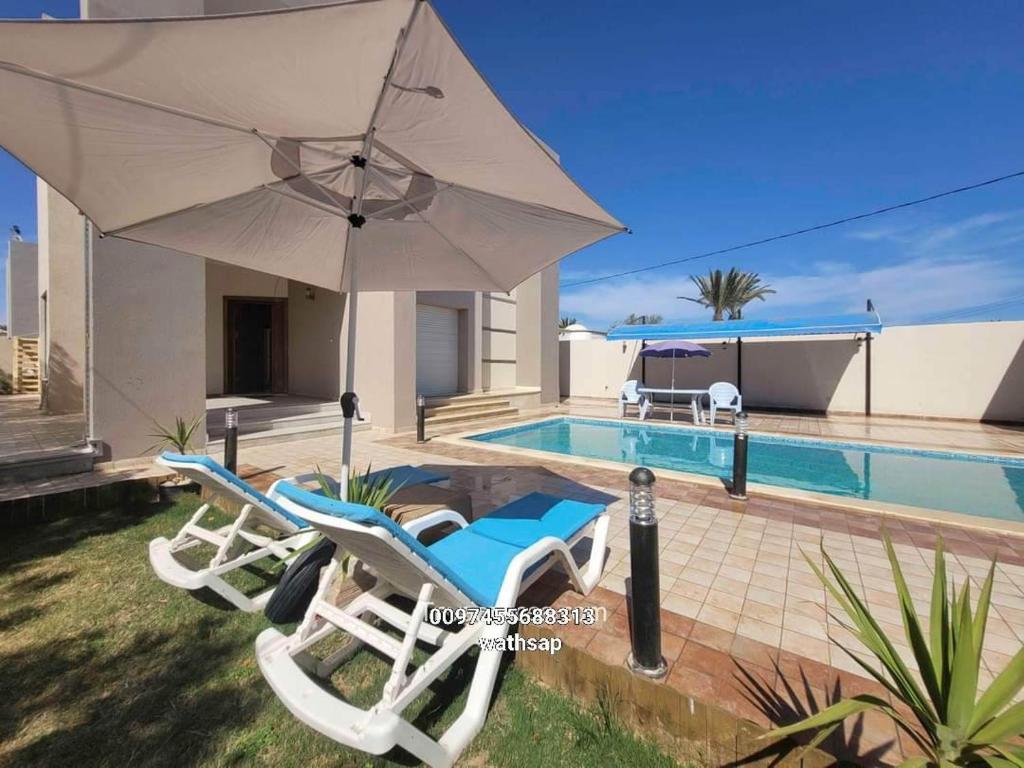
[231, 440]
[645, 615]
[739, 459]
[421, 418]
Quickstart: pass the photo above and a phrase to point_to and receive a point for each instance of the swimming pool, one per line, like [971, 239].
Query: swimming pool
[972, 484]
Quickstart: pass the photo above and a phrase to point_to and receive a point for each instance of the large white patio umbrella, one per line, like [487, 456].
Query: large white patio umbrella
[349, 146]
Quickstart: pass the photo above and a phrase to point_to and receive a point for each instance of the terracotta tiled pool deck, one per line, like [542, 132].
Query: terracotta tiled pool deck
[746, 623]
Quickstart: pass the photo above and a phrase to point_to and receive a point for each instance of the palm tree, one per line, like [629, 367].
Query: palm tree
[565, 322]
[748, 287]
[729, 292]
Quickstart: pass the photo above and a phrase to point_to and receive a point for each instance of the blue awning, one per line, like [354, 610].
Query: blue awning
[863, 322]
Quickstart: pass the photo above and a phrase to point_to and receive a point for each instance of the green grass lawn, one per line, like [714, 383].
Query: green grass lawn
[103, 664]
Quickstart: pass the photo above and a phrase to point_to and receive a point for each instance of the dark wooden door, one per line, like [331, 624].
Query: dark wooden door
[255, 346]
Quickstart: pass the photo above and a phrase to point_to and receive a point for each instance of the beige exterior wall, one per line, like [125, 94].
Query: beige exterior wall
[314, 342]
[962, 371]
[223, 280]
[22, 288]
[148, 338]
[61, 231]
[499, 340]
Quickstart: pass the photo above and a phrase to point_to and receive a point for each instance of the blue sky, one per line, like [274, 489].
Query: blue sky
[705, 125]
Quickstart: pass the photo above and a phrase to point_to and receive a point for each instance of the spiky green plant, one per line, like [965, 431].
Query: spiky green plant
[362, 489]
[951, 724]
[179, 437]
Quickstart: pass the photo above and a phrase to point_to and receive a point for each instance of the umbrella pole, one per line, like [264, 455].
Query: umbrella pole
[672, 407]
[349, 401]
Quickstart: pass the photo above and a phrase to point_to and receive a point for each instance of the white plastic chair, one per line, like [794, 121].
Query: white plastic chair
[724, 397]
[482, 569]
[629, 395]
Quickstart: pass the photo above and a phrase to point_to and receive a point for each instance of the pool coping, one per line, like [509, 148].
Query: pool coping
[884, 509]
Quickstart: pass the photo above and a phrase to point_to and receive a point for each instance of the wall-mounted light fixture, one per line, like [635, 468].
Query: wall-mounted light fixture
[310, 293]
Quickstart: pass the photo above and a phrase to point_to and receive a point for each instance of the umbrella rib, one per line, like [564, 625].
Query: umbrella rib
[269, 187]
[388, 185]
[95, 90]
[298, 169]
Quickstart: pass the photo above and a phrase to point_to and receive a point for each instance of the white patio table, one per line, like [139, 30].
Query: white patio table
[695, 396]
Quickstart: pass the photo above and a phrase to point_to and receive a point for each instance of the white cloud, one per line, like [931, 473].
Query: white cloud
[936, 268]
[901, 292]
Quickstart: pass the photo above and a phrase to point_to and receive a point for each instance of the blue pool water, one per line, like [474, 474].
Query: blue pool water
[971, 484]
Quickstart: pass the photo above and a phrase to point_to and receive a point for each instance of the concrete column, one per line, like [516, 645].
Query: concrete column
[148, 340]
[385, 358]
[537, 334]
[61, 231]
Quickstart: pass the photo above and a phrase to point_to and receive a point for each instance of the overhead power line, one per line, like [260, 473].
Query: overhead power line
[795, 233]
[978, 309]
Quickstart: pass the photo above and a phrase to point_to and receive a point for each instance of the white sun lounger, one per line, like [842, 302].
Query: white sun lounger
[241, 542]
[486, 564]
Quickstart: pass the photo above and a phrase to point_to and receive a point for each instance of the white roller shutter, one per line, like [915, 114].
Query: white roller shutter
[437, 350]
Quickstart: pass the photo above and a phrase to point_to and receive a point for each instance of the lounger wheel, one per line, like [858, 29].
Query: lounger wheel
[298, 584]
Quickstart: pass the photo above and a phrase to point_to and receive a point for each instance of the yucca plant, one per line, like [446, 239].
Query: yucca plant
[362, 489]
[951, 724]
[179, 437]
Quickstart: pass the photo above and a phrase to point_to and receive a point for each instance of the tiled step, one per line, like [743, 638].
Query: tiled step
[284, 435]
[474, 415]
[470, 406]
[55, 462]
[278, 423]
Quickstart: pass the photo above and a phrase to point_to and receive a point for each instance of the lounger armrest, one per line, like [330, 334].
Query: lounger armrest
[300, 480]
[415, 527]
[521, 563]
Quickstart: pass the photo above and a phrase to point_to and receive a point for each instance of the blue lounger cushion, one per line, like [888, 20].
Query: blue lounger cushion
[233, 479]
[407, 475]
[531, 518]
[474, 559]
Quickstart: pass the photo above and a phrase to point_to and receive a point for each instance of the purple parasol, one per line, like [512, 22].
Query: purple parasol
[675, 349]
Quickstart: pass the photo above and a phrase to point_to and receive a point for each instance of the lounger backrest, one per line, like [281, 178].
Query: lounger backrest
[629, 393]
[723, 393]
[381, 544]
[214, 477]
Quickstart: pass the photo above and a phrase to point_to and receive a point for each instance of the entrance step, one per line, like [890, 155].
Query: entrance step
[54, 462]
[271, 422]
[467, 407]
[500, 411]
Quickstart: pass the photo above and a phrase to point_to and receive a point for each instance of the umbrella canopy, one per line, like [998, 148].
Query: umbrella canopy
[280, 140]
[287, 141]
[264, 139]
[674, 349]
